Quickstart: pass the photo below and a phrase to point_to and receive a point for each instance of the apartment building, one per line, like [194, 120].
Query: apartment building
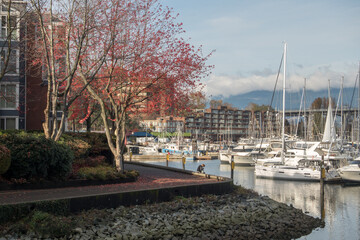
[224, 123]
[13, 81]
[23, 88]
[164, 124]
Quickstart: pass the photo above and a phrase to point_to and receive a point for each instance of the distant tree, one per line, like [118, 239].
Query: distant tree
[250, 106]
[320, 103]
[300, 129]
[197, 100]
[215, 103]
[228, 105]
[219, 103]
[255, 107]
[317, 103]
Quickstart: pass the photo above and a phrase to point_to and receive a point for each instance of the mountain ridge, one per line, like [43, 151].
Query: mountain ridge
[293, 99]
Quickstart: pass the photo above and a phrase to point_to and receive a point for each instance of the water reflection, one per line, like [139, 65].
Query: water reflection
[341, 205]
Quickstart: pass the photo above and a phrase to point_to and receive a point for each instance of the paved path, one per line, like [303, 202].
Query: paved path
[150, 178]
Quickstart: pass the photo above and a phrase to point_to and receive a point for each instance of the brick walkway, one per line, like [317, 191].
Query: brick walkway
[150, 178]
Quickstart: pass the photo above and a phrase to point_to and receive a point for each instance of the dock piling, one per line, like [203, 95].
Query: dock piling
[232, 167]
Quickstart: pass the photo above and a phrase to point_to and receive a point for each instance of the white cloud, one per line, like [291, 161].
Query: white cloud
[226, 21]
[227, 85]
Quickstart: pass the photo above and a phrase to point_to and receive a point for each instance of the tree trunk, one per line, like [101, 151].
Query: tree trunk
[88, 124]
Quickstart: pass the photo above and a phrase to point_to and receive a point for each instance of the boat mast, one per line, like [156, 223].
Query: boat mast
[358, 113]
[341, 112]
[283, 112]
[305, 122]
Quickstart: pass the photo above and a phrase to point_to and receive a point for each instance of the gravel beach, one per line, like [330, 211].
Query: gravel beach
[238, 215]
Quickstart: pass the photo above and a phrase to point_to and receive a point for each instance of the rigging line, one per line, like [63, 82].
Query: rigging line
[353, 94]
[298, 118]
[277, 79]
[351, 102]
[272, 98]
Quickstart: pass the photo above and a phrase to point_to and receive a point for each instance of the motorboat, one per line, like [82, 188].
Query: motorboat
[240, 155]
[149, 150]
[266, 150]
[176, 149]
[351, 172]
[225, 156]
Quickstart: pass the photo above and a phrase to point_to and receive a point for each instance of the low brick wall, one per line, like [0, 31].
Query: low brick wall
[147, 196]
[113, 200]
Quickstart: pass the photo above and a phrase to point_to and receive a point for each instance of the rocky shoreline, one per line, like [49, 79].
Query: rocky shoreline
[237, 215]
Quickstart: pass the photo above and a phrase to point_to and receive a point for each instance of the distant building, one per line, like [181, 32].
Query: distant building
[164, 124]
[36, 74]
[223, 123]
[24, 86]
[140, 137]
[12, 85]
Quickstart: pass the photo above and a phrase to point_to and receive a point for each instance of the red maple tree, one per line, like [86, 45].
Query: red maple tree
[147, 65]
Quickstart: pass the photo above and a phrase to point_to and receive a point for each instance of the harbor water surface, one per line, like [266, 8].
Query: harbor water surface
[340, 208]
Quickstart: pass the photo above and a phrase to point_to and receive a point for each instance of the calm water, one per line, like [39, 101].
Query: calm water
[341, 204]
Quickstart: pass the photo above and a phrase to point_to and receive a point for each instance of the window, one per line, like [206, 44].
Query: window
[7, 123]
[12, 66]
[8, 93]
[9, 30]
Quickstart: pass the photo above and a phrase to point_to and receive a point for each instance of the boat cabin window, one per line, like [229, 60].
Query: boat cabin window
[355, 162]
[258, 149]
[276, 145]
[290, 154]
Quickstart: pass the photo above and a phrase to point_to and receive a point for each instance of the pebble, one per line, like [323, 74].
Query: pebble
[229, 216]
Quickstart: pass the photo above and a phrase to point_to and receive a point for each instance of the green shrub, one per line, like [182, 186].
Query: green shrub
[94, 139]
[56, 207]
[33, 156]
[97, 142]
[5, 159]
[132, 174]
[48, 225]
[80, 147]
[96, 173]
[61, 164]
[13, 212]
[104, 173]
[9, 213]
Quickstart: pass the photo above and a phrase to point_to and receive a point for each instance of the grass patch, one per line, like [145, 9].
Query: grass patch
[104, 172]
[43, 224]
[244, 191]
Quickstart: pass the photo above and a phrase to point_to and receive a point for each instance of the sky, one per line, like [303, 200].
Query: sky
[322, 36]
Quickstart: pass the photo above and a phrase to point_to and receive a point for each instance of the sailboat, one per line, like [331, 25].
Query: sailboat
[290, 168]
[332, 147]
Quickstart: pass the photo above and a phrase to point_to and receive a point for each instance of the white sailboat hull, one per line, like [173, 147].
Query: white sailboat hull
[281, 172]
[284, 172]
